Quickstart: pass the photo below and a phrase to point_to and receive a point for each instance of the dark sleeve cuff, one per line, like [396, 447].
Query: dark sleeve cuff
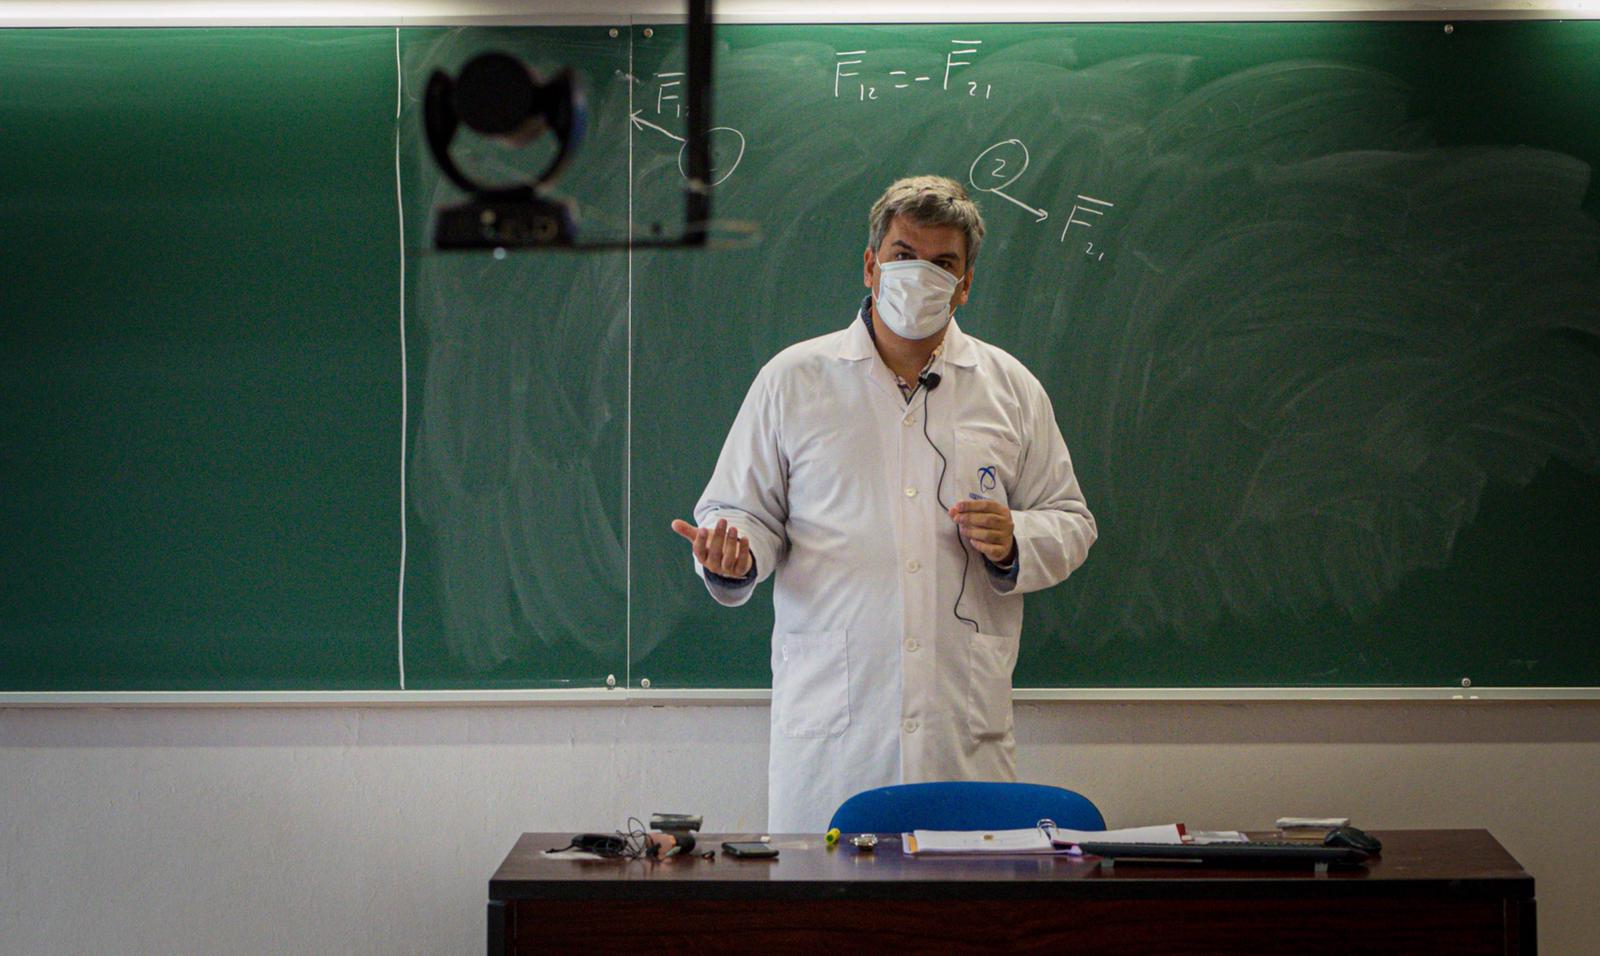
[1005, 574]
[727, 582]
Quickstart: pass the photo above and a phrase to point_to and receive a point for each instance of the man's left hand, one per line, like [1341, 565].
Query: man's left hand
[986, 525]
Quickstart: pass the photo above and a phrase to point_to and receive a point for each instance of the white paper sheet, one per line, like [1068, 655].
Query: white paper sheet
[1032, 839]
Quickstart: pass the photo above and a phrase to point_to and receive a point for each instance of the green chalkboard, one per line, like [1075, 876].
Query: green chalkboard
[517, 564]
[199, 358]
[1316, 305]
[1327, 366]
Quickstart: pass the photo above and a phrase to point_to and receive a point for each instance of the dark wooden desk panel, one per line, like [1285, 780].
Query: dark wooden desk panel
[1432, 891]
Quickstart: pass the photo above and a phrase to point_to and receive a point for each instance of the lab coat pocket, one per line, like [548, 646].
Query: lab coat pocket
[991, 659]
[811, 686]
[986, 463]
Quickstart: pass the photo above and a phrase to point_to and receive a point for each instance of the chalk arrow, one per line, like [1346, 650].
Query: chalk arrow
[641, 124]
[1039, 214]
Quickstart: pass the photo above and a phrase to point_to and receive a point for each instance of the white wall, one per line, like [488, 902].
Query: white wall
[375, 830]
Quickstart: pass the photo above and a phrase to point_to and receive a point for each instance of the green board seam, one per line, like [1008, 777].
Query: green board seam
[405, 397]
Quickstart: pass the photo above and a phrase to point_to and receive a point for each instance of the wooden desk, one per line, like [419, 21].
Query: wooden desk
[1432, 891]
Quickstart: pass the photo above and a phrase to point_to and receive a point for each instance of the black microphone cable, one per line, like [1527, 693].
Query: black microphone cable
[928, 381]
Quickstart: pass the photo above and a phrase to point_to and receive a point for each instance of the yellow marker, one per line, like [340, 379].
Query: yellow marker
[832, 837]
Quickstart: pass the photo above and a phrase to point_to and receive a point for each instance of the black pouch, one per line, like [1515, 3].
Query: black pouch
[600, 844]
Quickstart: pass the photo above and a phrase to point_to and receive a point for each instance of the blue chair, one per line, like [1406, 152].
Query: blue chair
[965, 805]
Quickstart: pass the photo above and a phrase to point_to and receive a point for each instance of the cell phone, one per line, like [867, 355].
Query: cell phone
[750, 851]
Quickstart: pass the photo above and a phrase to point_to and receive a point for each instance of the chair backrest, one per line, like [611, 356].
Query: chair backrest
[965, 805]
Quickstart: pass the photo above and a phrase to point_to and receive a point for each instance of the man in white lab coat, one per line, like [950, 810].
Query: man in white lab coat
[907, 484]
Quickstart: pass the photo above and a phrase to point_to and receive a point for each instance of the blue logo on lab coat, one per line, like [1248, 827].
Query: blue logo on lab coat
[986, 478]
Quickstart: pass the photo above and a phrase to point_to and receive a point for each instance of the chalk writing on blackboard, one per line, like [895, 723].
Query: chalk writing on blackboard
[667, 99]
[662, 96]
[998, 167]
[1081, 210]
[950, 61]
[839, 65]
[721, 167]
[905, 79]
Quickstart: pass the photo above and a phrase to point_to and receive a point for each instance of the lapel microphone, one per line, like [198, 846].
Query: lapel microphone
[929, 380]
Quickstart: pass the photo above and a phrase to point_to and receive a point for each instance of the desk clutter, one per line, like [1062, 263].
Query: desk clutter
[1342, 845]
[673, 835]
[670, 835]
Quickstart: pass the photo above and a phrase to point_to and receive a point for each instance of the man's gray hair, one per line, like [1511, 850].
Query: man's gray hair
[928, 201]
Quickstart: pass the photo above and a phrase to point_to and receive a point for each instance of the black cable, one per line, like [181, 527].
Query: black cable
[938, 494]
[634, 843]
[638, 838]
[631, 844]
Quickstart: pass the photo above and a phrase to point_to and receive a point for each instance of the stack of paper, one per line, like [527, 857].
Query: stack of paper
[1031, 840]
[1041, 839]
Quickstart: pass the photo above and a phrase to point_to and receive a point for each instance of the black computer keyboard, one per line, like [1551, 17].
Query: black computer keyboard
[1236, 854]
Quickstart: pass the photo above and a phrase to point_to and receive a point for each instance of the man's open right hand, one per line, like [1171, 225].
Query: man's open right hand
[719, 550]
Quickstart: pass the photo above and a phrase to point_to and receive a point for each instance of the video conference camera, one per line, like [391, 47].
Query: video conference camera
[498, 96]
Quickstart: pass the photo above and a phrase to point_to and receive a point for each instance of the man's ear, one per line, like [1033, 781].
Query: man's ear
[868, 259]
[963, 290]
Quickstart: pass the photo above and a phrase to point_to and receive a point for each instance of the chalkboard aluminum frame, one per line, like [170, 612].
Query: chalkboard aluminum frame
[755, 695]
[89, 13]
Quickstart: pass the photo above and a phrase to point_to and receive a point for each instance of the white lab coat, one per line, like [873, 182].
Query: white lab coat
[826, 470]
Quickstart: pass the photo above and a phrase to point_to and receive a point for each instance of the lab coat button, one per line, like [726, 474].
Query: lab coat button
[913, 565]
[911, 492]
[908, 420]
[910, 726]
[912, 645]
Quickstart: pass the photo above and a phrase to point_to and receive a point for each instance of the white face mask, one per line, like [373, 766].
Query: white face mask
[914, 297]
